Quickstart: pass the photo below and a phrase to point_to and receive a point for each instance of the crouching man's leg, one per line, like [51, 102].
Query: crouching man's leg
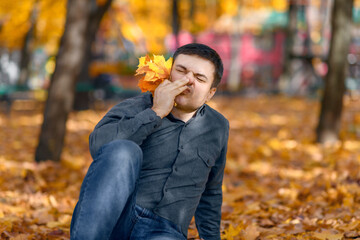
[107, 186]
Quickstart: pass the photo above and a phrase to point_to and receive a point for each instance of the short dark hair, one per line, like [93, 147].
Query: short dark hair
[204, 52]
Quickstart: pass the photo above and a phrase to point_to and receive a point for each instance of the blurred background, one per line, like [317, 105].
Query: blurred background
[267, 46]
[291, 92]
[65, 55]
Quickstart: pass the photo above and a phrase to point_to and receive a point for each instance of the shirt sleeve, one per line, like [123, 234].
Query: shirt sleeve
[208, 212]
[124, 121]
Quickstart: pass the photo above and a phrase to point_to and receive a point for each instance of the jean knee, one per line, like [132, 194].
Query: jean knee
[122, 153]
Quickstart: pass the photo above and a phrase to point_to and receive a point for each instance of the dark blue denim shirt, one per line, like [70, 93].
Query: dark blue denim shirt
[183, 163]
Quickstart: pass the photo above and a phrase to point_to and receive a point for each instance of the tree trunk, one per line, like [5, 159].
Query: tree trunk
[82, 97]
[27, 48]
[290, 33]
[176, 22]
[332, 101]
[192, 10]
[82, 21]
[234, 79]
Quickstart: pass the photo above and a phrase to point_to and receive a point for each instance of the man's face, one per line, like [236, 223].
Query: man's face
[200, 73]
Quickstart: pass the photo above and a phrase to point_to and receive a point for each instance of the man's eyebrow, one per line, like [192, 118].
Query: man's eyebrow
[179, 65]
[196, 74]
[200, 75]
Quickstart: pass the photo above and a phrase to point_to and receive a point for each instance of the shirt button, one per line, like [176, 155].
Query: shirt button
[166, 190]
[151, 118]
[175, 169]
[181, 147]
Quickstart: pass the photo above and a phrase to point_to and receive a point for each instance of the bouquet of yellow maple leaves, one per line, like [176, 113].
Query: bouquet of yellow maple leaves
[155, 69]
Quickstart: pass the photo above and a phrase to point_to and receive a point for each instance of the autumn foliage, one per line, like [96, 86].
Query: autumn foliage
[155, 70]
[278, 183]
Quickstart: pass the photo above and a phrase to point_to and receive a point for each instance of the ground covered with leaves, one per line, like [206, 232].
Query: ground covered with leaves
[279, 184]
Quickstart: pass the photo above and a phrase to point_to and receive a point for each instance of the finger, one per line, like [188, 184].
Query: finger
[172, 87]
[181, 82]
[179, 90]
[164, 83]
[185, 79]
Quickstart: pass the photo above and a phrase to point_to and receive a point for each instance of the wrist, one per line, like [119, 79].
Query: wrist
[158, 112]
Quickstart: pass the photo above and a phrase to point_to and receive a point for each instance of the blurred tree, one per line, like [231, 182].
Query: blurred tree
[27, 46]
[50, 24]
[18, 19]
[290, 34]
[82, 21]
[175, 21]
[154, 19]
[332, 101]
[9, 37]
[235, 62]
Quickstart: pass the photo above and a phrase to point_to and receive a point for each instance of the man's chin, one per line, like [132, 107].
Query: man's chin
[183, 104]
[183, 99]
[180, 101]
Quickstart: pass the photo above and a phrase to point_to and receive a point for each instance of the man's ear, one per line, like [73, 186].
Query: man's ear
[211, 93]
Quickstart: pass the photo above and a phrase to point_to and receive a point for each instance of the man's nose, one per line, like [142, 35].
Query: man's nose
[191, 78]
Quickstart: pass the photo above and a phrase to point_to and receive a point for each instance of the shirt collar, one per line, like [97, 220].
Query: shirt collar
[201, 110]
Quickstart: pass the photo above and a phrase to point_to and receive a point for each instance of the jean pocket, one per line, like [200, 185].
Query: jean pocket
[138, 211]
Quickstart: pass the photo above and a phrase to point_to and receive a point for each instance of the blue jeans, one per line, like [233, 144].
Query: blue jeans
[106, 208]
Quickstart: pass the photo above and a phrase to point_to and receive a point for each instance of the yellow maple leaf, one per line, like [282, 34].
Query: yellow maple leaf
[155, 69]
[231, 232]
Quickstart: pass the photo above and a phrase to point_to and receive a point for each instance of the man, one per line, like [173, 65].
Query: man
[158, 161]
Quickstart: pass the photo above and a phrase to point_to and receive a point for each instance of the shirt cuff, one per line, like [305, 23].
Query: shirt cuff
[148, 116]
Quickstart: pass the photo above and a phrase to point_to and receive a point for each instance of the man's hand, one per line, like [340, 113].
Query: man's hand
[165, 93]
